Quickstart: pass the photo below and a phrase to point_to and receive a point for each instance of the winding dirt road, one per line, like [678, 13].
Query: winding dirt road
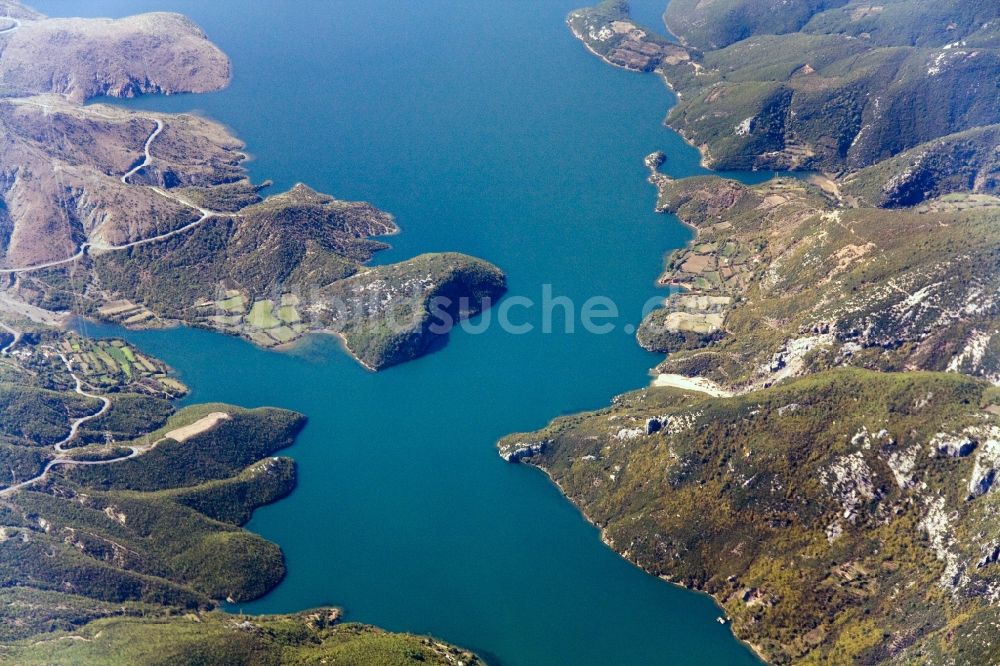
[85, 247]
[6, 492]
[147, 158]
[17, 338]
[61, 458]
[74, 427]
[17, 24]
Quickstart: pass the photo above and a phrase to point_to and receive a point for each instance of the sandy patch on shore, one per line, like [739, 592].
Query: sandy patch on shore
[203, 424]
[692, 384]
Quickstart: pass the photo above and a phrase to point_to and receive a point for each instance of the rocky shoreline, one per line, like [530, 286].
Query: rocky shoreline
[798, 299]
[609, 542]
[191, 239]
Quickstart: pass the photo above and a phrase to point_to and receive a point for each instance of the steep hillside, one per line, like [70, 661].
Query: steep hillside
[121, 520]
[854, 86]
[910, 22]
[782, 280]
[819, 449]
[719, 23]
[966, 162]
[841, 518]
[716, 24]
[48, 218]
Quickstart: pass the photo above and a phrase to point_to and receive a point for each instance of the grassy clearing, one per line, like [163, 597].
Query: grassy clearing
[288, 314]
[282, 334]
[233, 304]
[120, 359]
[262, 315]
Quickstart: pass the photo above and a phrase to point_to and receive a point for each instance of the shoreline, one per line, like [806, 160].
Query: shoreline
[602, 532]
[698, 384]
[684, 382]
[342, 341]
[702, 151]
[591, 49]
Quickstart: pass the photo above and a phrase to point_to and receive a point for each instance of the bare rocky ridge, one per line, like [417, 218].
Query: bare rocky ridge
[84, 58]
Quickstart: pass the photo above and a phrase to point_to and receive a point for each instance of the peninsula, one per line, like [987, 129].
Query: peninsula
[122, 519]
[150, 219]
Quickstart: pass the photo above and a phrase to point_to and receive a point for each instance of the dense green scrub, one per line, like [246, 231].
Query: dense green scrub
[122, 531]
[217, 638]
[839, 502]
[829, 85]
[32, 416]
[830, 515]
[124, 562]
[294, 263]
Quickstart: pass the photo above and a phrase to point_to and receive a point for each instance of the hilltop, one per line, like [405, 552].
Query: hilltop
[85, 58]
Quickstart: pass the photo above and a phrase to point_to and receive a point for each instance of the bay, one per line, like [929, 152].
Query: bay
[486, 129]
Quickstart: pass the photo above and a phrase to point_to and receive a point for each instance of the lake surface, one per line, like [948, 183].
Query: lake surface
[486, 129]
[649, 13]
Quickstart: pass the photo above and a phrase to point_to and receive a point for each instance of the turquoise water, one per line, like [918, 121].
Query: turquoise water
[649, 13]
[486, 129]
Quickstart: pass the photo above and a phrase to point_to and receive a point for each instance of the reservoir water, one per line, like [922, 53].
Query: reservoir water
[486, 129]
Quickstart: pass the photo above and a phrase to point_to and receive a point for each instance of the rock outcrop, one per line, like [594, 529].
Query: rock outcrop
[811, 511]
[516, 451]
